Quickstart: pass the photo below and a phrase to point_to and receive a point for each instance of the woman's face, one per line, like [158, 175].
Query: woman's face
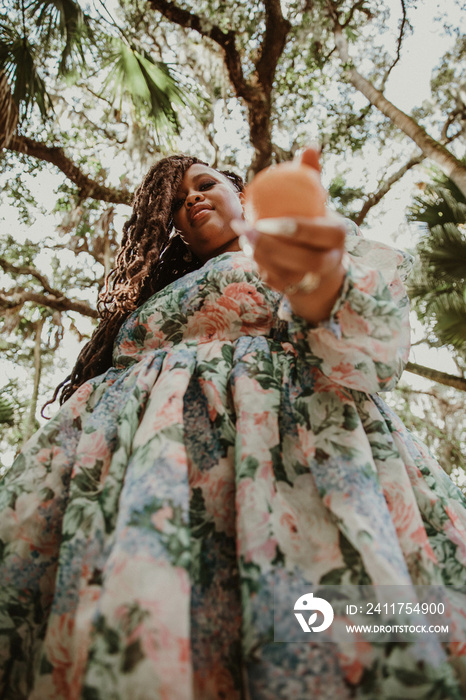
[204, 205]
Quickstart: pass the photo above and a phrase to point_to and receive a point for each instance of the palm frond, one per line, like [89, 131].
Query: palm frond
[443, 253]
[428, 289]
[148, 84]
[438, 285]
[18, 62]
[8, 112]
[6, 409]
[450, 325]
[65, 19]
[441, 202]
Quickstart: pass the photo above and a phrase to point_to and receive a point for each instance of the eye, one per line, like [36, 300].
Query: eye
[207, 185]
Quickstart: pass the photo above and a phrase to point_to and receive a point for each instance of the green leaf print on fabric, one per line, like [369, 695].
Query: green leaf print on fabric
[334, 577]
[139, 335]
[173, 328]
[132, 655]
[45, 666]
[355, 570]
[265, 372]
[328, 412]
[227, 353]
[88, 480]
[277, 464]
[350, 417]
[198, 518]
[251, 574]
[301, 411]
[248, 468]
[174, 535]
[80, 517]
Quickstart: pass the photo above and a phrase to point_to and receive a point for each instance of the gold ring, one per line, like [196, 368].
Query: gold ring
[308, 284]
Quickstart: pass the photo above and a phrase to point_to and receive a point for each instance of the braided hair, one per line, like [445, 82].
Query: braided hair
[148, 259]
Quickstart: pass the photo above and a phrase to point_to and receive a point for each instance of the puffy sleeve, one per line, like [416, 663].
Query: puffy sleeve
[364, 345]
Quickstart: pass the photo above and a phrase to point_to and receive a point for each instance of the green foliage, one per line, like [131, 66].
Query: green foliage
[148, 83]
[310, 86]
[65, 20]
[49, 39]
[449, 79]
[438, 285]
[343, 196]
[440, 203]
[18, 59]
[438, 417]
[28, 35]
[10, 431]
[6, 408]
[16, 190]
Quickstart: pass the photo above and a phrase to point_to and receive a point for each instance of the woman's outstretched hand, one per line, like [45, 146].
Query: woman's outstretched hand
[301, 257]
[306, 263]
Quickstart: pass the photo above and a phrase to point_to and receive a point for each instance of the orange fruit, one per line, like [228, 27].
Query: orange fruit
[288, 189]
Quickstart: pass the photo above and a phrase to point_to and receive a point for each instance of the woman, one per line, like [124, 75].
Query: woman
[219, 431]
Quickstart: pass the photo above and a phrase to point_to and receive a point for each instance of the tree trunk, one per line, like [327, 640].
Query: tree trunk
[255, 89]
[434, 150]
[31, 417]
[260, 134]
[436, 376]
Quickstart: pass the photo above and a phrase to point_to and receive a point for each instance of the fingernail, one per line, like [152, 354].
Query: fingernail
[282, 226]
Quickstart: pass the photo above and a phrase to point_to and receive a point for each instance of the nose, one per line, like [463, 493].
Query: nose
[193, 198]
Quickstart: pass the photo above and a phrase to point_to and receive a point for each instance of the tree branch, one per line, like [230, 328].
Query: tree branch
[25, 270]
[273, 43]
[437, 376]
[375, 198]
[101, 129]
[256, 90]
[226, 40]
[404, 21]
[15, 300]
[448, 406]
[452, 117]
[360, 5]
[85, 86]
[431, 148]
[56, 156]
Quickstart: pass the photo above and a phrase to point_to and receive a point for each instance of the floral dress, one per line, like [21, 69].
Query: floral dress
[142, 528]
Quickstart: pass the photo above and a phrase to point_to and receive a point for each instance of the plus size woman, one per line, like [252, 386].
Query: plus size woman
[223, 425]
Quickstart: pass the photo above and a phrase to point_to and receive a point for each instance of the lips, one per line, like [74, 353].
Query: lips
[197, 211]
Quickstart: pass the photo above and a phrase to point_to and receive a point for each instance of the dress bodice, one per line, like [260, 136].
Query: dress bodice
[223, 300]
